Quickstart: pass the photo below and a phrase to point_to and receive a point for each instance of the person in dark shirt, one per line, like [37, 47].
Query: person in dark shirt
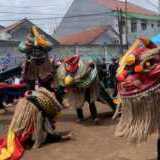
[112, 69]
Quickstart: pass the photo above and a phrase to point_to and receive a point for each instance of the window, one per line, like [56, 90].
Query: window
[123, 24]
[133, 26]
[116, 41]
[158, 25]
[123, 21]
[152, 25]
[144, 25]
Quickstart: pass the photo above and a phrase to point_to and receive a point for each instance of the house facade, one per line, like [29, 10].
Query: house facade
[85, 14]
[138, 25]
[10, 37]
[19, 30]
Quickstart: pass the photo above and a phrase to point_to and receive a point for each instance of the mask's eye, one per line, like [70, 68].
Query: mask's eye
[148, 64]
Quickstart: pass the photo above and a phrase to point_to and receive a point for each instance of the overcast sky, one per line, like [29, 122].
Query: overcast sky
[150, 4]
[13, 9]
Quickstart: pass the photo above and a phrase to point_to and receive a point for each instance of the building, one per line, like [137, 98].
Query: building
[9, 54]
[83, 15]
[96, 35]
[4, 35]
[20, 29]
[10, 38]
[89, 43]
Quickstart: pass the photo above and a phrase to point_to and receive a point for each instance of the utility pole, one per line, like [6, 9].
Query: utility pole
[120, 28]
[159, 7]
[126, 21]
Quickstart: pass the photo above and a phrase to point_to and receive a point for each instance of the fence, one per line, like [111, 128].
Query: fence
[10, 61]
[11, 57]
[93, 51]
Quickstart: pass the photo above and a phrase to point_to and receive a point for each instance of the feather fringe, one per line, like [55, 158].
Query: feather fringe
[140, 116]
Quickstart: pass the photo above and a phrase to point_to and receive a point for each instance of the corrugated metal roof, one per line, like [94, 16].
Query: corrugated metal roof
[115, 4]
[85, 37]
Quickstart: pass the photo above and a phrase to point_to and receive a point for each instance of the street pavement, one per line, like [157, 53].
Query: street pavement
[89, 142]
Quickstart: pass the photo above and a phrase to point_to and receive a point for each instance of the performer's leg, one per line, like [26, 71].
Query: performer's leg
[57, 137]
[115, 90]
[106, 97]
[53, 138]
[93, 110]
[80, 114]
[92, 105]
[158, 146]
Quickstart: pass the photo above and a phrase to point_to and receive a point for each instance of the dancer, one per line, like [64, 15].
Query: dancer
[33, 121]
[79, 78]
[37, 67]
[139, 89]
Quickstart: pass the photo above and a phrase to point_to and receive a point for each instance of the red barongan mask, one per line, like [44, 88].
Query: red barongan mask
[139, 69]
[71, 63]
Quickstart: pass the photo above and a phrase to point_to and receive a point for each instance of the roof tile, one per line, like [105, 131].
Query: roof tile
[115, 4]
[85, 37]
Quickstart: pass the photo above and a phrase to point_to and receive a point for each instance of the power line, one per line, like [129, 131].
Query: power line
[30, 6]
[88, 20]
[61, 6]
[44, 8]
[32, 13]
[59, 17]
[75, 23]
[154, 5]
[67, 5]
[36, 13]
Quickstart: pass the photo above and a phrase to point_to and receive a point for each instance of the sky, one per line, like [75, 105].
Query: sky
[34, 9]
[150, 4]
[39, 10]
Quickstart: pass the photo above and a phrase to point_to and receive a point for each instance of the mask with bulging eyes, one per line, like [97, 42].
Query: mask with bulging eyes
[139, 70]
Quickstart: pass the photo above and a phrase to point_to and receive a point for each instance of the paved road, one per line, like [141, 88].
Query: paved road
[91, 142]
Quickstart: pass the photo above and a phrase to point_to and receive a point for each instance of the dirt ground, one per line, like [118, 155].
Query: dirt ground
[89, 142]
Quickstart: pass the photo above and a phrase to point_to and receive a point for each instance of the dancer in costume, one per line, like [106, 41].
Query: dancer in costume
[80, 79]
[33, 120]
[37, 66]
[139, 89]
